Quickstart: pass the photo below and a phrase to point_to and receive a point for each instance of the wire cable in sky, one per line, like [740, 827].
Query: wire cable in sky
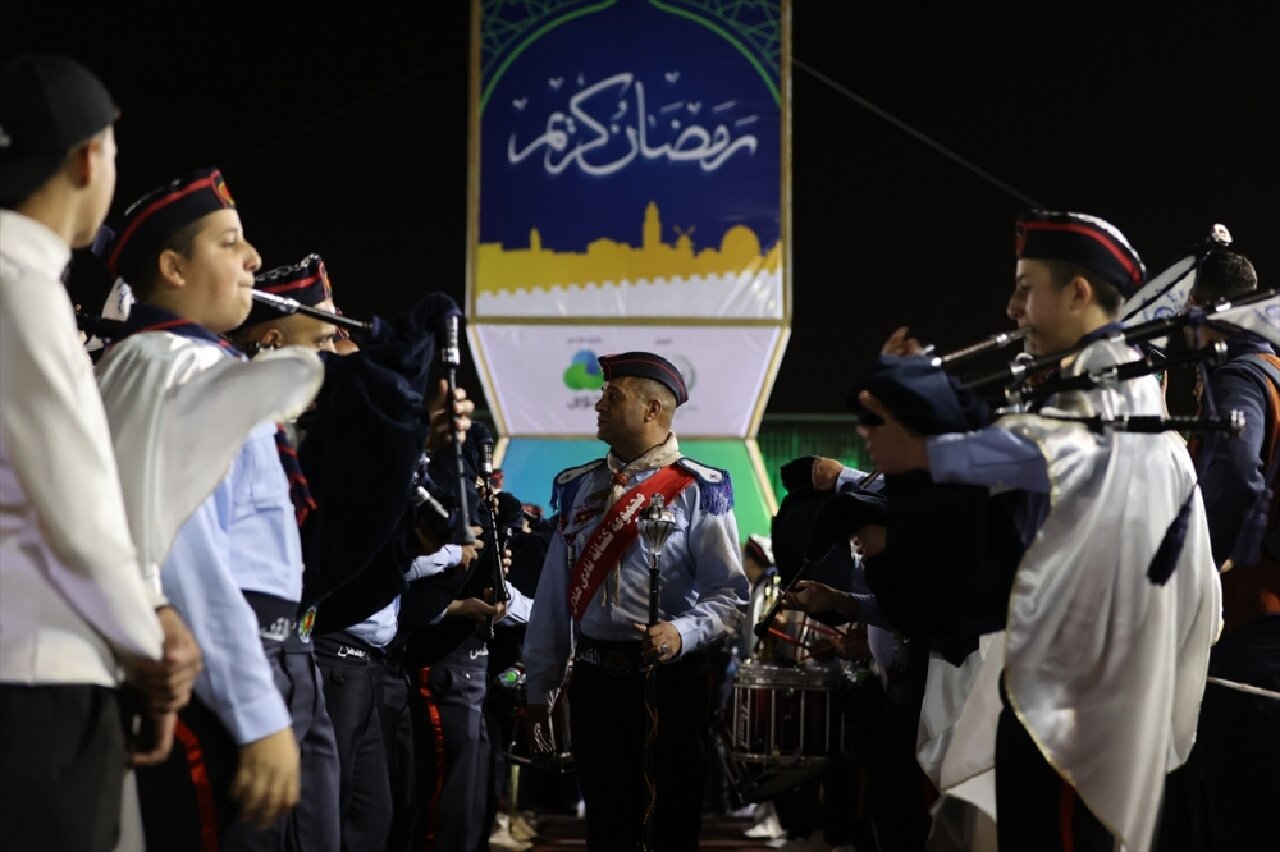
[916, 134]
[321, 120]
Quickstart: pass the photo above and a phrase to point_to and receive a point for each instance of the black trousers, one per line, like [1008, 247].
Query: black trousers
[454, 752]
[61, 767]
[351, 695]
[608, 723]
[394, 713]
[1038, 810]
[1238, 745]
[185, 801]
[898, 787]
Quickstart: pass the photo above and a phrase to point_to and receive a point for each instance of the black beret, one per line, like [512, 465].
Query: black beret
[48, 106]
[645, 365]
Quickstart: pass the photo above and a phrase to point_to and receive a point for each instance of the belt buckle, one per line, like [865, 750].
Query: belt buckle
[616, 663]
[306, 623]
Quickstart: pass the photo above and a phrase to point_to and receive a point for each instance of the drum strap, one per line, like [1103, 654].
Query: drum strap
[616, 532]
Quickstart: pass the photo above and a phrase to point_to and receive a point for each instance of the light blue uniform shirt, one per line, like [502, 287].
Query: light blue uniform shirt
[243, 537]
[993, 457]
[380, 628]
[702, 593]
[266, 552]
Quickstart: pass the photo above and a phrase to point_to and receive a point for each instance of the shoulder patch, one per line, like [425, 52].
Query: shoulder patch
[566, 484]
[715, 487]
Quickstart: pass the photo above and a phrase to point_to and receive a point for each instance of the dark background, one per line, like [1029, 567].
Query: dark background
[342, 129]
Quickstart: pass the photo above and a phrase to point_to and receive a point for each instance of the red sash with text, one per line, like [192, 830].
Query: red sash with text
[617, 531]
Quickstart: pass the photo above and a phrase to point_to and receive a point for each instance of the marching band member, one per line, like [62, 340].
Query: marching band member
[452, 655]
[1116, 601]
[592, 600]
[1237, 752]
[256, 741]
[369, 425]
[899, 807]
[77, 604]
[307, 282]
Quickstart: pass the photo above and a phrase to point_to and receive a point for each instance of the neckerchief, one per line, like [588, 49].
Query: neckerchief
[651, 459]
[145, 317]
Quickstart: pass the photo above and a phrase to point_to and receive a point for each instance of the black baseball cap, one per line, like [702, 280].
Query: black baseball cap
[48, 105]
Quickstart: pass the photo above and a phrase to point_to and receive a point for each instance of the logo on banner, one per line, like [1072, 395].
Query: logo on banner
[584, 373]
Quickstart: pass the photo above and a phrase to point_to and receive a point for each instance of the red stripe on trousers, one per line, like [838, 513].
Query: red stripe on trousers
[203, 789]
[437, 730]
[1066, 811]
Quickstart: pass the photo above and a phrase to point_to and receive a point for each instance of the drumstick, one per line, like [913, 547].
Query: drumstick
[786, 637]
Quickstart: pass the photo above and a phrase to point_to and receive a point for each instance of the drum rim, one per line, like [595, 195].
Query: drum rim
[817, 681]
[784, 761]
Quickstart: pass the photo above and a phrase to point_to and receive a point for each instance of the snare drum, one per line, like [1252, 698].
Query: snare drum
[787, 714]
[511, 682]
[786, 724]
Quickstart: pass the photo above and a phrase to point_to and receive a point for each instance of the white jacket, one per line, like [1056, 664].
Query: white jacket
[73, 599]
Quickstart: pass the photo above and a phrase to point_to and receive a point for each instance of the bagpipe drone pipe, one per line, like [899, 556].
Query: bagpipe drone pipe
[425, 638]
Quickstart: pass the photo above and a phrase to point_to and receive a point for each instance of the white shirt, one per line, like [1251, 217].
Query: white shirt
[73, 598]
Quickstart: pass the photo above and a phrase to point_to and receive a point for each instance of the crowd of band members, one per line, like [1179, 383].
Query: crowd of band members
[266, 564]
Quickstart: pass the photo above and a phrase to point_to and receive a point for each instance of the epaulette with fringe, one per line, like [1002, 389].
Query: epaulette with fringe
[715, 487]
[566, 484]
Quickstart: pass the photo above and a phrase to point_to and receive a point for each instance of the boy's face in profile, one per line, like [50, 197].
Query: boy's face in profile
[217, 275]
[1041, 309]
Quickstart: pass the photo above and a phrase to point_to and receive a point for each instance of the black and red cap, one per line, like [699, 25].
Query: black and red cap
[1084, 240]
[645, 365]
[307, 281]
[155, 217]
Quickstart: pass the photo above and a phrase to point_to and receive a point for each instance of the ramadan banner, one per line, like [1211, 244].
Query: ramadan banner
[628, 161]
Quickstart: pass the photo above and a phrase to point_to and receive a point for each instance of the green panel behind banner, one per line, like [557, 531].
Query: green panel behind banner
[529, 464]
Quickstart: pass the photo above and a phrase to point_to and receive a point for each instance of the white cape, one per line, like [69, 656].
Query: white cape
[1104, 668]
[956, 744]
[179, 411]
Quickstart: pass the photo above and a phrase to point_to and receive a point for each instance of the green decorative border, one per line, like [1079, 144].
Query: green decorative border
[724, 34]
[534, 36]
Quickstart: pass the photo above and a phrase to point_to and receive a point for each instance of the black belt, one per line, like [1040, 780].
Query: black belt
[618, 658]
[279, 623]
[345, 646]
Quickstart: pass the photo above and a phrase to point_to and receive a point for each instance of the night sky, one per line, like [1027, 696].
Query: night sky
[343, 131]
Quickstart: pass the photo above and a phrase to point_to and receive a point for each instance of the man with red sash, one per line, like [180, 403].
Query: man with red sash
[593, 601]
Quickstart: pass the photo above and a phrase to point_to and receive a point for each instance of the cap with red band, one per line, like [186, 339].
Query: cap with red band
[1085, 240]
[307, 281]
[151, 220]
[645, 365]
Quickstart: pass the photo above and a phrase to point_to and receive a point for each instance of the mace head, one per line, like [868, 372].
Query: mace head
[656, 523]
